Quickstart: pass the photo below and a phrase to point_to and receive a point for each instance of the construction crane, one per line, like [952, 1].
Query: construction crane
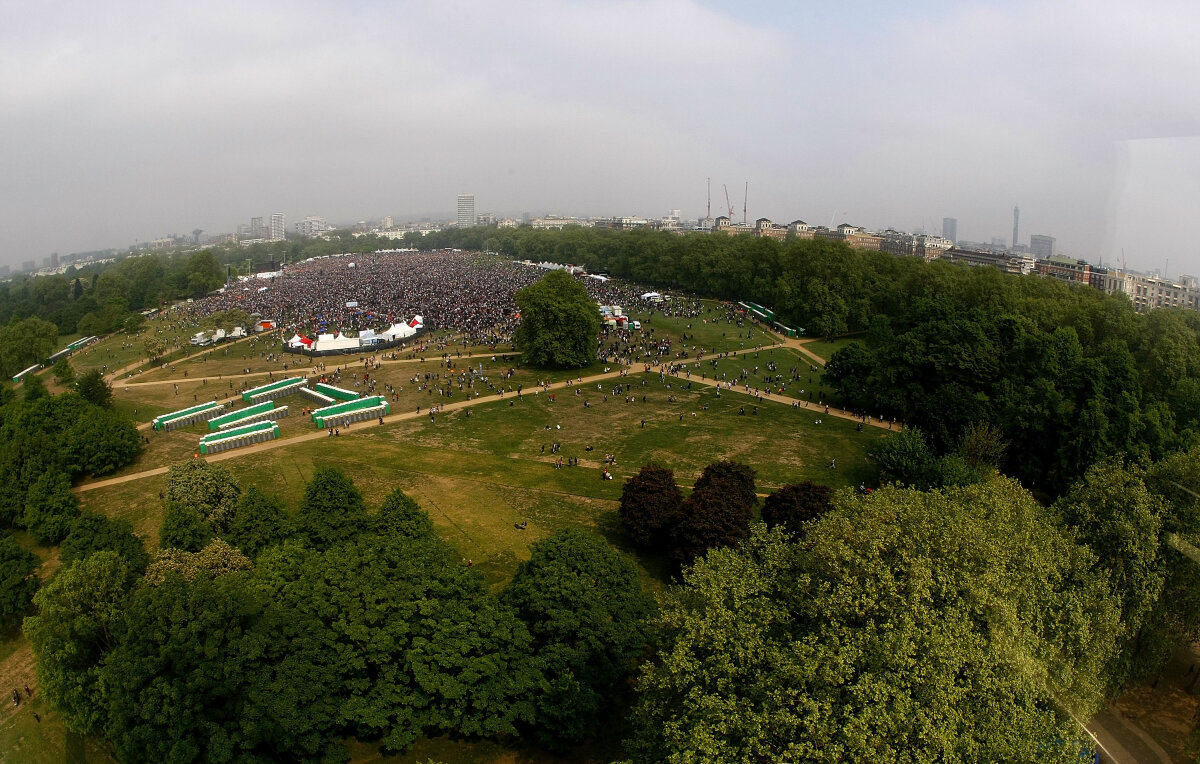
[728, 203]
[708, 214]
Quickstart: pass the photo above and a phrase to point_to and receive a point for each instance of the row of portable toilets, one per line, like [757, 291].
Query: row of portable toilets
[238, 437]
[256, 423]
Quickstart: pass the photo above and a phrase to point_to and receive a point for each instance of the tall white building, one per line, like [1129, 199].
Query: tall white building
[278, 226]
[466, 210]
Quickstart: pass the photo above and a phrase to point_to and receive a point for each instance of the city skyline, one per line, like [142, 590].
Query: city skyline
[191, 117]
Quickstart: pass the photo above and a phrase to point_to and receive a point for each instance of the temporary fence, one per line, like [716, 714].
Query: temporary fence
[238, 437]
[352, 411]
[274, 390]
[218, 422]
[318, 397]
[183, 418]
[271, 415]
[337, 393]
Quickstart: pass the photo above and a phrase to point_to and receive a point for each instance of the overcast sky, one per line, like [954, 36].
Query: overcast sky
[124, 121]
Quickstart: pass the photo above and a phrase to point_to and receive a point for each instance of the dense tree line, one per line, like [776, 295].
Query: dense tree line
[46, 442]
[260, 634]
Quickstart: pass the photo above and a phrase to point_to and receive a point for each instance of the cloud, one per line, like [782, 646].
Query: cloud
[125, 121]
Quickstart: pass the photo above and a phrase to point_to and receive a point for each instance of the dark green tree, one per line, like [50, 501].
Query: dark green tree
[25, 342]
[91, 533]
[101, 441]
[174, 683]
[93, 388]
[650, 505]
[18, 581]
[905, 458]
[402, 637]
[586, 610]
[183, 527]
[50, 508]
[258, 522]
[795, 506]
[559, 323]
[400, 514]
[203, 274]
[33, 388]
[332, 509]
[80, 619]
[63, 372]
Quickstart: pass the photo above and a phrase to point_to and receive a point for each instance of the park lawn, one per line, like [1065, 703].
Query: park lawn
[710, 329]
[118, 350]
[825, 348]
[478, 475]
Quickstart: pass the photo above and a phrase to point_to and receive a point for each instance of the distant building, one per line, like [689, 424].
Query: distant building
[1005, 261]
[950, 229]
[1065, 268]
[257, 231]
[901, 244]
[29, 265]
[553, 223]
[466, 210]
[853, 235]
[1016, 240]
[1041, 246]
[621, 223]
[278, 230]
[387, 223]
[313, 226]
[5, 270]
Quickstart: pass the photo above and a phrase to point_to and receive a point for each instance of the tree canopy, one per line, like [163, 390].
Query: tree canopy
[949, 626]
[559, 323]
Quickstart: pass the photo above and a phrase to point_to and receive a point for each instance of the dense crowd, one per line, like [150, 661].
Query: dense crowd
[461, 291]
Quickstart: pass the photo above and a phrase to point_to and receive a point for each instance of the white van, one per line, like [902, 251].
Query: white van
[636, 324]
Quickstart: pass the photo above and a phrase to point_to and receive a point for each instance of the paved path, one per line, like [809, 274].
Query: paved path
[1122, 741]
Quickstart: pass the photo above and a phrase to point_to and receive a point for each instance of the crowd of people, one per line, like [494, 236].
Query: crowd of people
[466, 292]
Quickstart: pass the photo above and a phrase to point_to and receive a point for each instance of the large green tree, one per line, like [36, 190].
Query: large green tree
[50, 507]
[81, 617]
[559, 323]
[94, 389]
[258, 522]
[955, 626]
[18, 581]
[586, 610]
[1120, 520]
[25, 342]
[174, 683]
[207, 490]
[332, 509]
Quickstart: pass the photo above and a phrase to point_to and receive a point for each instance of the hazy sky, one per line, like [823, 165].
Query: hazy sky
[123, 121]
